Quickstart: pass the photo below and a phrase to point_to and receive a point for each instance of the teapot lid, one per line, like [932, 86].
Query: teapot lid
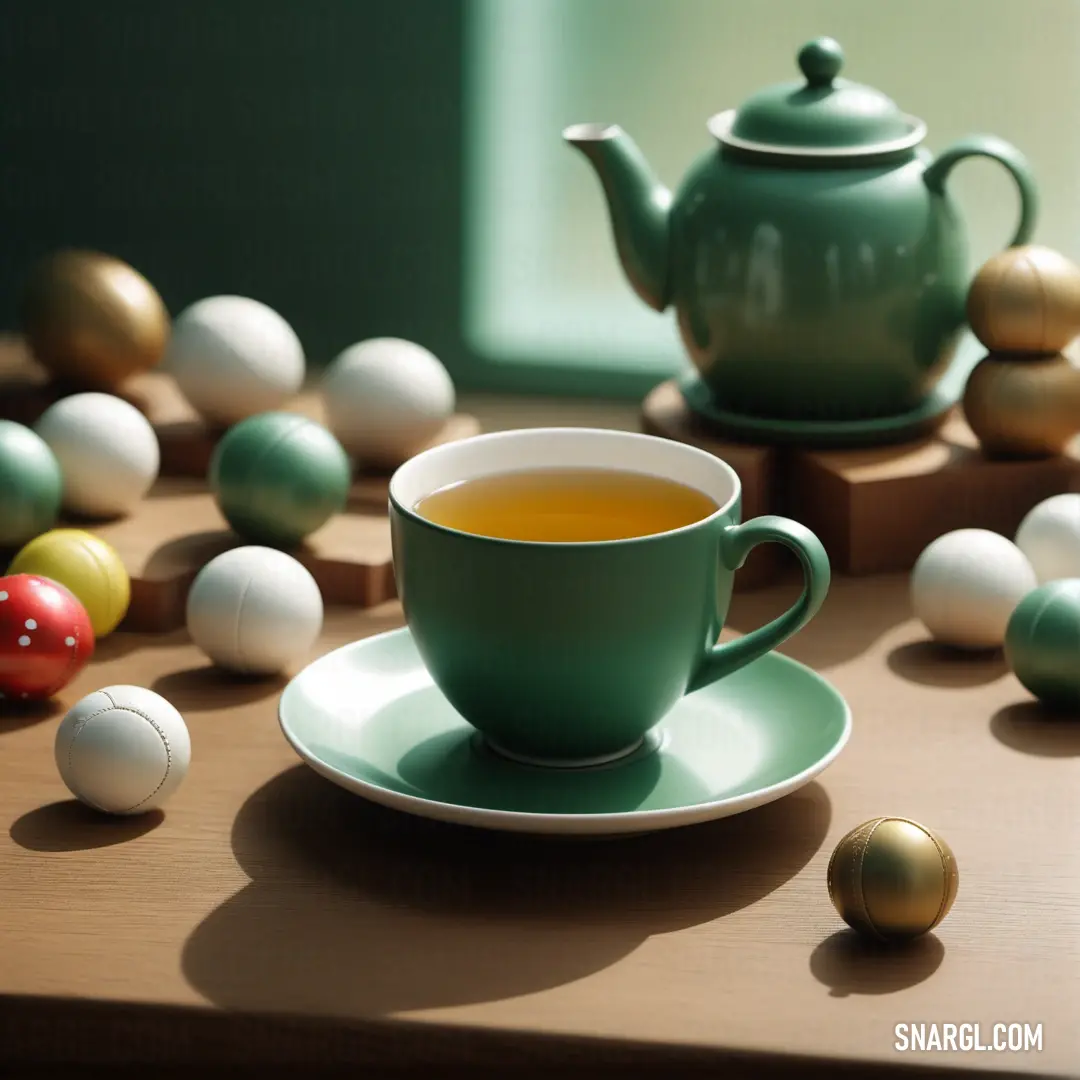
[824, 116]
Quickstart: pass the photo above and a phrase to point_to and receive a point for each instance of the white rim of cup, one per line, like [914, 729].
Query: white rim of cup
[404, 473]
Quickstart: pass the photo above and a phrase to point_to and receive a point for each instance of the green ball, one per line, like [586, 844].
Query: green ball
[1042, 643]
[31, 485]
[278, 477]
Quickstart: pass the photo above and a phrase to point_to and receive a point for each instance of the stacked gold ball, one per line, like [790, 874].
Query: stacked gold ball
[92, 320]
[1023, 398]
[1026, 300]
[1023, 408]
[892, 879]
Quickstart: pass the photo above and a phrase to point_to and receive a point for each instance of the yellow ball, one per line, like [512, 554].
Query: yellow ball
[892, 879]
[85, 565]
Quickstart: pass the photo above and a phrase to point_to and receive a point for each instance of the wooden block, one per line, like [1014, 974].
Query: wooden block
[187, 441]
[664, 412]
[177, 529]
[27, 389]
[182, 435]
[876, 510]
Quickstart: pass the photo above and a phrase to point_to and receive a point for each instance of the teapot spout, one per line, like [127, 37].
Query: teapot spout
[638, 205]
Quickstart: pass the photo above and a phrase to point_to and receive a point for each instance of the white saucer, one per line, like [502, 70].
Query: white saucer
[368, 717]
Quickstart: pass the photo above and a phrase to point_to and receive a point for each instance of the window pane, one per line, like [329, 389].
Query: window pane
[544, 285]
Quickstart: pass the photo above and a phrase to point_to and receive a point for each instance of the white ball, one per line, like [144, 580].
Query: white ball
[966, 585]
[123, 750]
[254, 610]
[1049, 536]
[233, 357]
[107, 450]
[385, 398]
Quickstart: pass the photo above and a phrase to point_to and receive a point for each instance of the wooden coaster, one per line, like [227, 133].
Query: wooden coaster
[177, 530]
[664, 412]
[876, 510]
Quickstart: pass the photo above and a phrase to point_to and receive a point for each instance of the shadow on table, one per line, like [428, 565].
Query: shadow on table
[71, 826]
[354, 909]
[848, 963]
[933, 664]
[855, 614]
[185, 554]
[121, 643]
[209, 688]
[1033, 728]
[15, 715]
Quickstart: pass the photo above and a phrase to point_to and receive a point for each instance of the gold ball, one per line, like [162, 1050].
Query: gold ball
[1023, 408]
[892, 879]
[1026, 300]
[92, 320]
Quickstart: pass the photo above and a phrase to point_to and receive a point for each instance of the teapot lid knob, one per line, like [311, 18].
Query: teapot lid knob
[825, 116]
[820, 61]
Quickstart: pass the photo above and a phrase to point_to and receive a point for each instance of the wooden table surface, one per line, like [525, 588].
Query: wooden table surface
[268, 917]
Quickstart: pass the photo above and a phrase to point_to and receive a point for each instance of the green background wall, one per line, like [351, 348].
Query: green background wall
[304, 152]
[311, 153]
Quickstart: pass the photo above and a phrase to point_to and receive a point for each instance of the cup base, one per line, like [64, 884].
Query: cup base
[647, 744]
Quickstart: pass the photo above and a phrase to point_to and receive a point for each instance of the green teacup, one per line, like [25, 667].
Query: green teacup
[569, 654]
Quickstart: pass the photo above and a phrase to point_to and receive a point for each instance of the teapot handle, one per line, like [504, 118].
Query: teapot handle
[999, 150]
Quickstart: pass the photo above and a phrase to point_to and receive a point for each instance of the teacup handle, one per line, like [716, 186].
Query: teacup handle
[735, 545]
[990, 146]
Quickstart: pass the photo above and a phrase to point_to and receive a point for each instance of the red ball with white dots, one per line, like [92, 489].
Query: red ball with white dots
[46, 637]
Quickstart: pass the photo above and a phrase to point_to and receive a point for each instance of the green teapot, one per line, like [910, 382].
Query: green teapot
[815, 261]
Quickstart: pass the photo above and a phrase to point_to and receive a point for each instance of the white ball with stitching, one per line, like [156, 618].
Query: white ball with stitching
[123, 750]
[966, 584]
[254, 610]
[385, 398]
[108, 452]
[233, 357]
[1049, 536]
